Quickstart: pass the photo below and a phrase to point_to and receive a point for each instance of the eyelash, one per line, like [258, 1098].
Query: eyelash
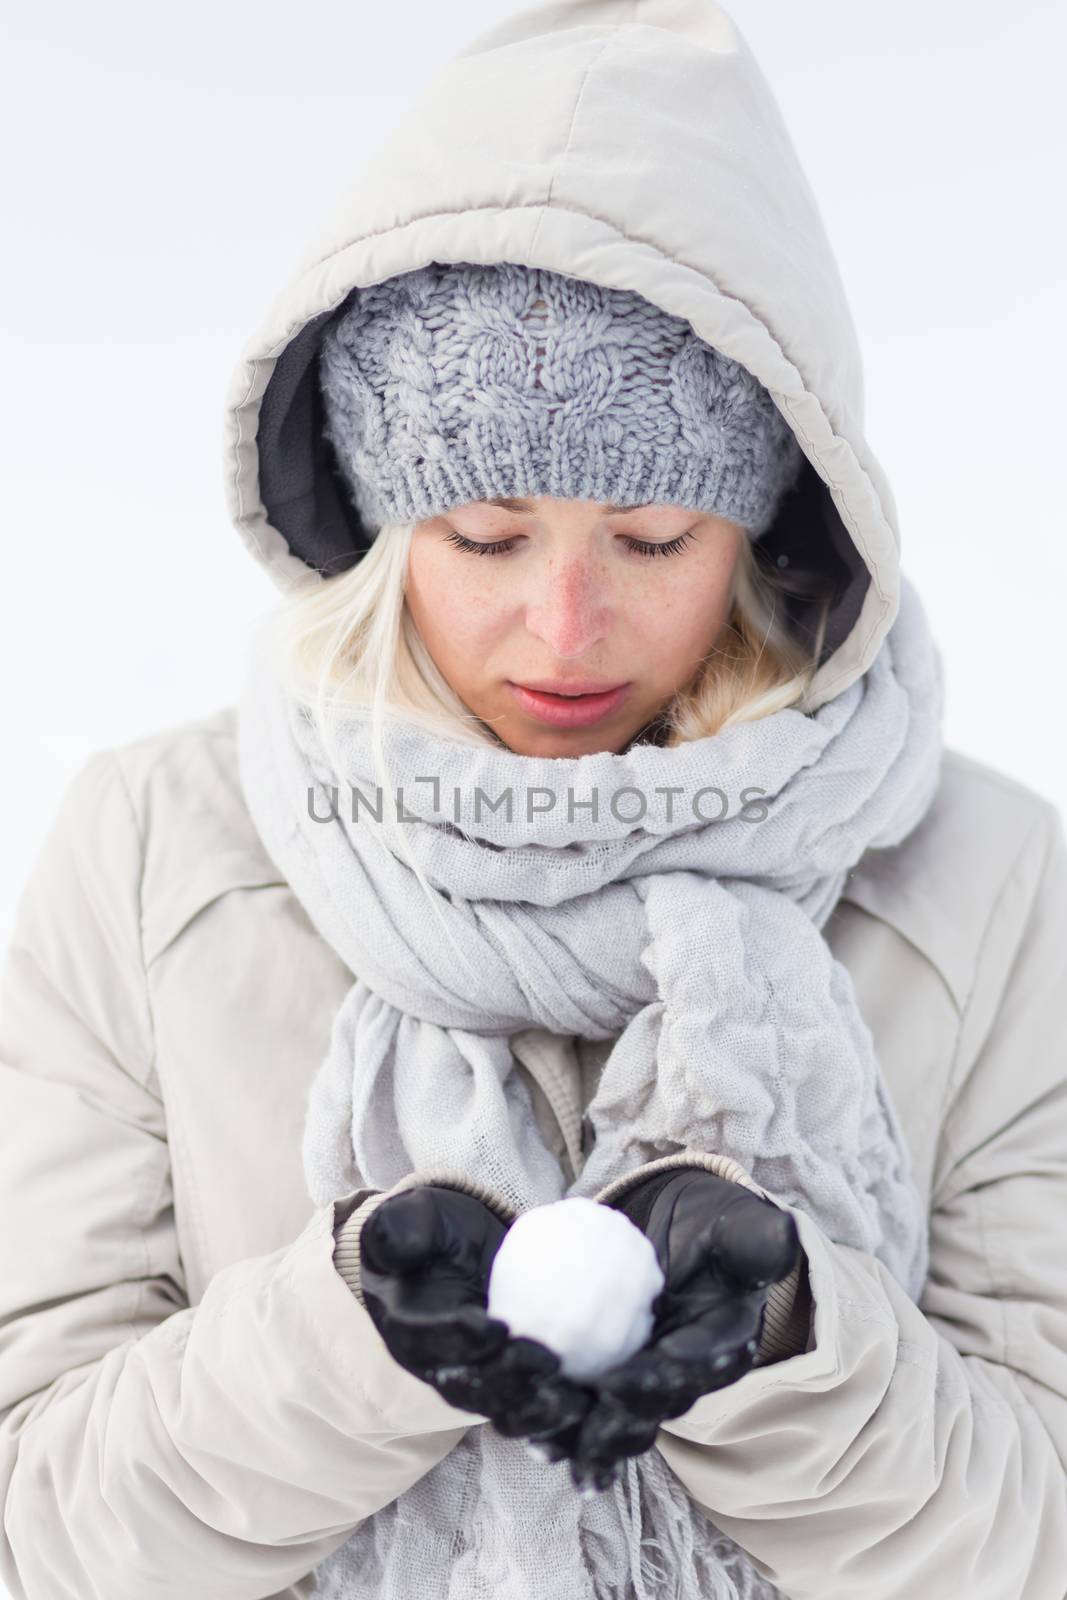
[638, 546]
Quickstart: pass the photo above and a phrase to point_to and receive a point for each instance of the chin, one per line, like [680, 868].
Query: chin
[552, 745]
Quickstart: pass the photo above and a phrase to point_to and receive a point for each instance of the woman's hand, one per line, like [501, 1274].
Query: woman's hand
[426, 1255]
[720, 1247]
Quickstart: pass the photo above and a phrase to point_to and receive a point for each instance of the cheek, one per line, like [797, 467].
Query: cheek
[687, 613]
[452, 601]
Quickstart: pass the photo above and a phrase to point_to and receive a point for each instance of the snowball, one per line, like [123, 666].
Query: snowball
[581, 1278]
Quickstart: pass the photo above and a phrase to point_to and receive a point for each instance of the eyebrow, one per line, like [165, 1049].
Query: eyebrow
[506, 503]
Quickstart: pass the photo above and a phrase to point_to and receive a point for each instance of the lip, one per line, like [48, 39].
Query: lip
[569, 686]
[579, 711]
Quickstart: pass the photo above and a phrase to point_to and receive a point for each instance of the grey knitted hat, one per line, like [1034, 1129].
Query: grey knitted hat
[462, 382]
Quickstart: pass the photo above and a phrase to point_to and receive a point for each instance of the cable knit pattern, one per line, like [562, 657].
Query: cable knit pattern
[462, 382]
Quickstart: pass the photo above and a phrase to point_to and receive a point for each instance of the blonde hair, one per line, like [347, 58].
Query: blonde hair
[350, 641]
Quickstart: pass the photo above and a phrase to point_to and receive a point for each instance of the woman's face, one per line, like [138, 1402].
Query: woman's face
[570, 594]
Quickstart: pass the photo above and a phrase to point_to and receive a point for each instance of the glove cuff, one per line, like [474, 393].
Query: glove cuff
[787, 1318]
[351, 1212]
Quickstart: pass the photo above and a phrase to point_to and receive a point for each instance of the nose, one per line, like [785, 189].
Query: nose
[570, 609]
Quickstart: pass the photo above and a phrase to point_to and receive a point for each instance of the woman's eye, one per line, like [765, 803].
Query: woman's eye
[476, 549]
[501, 546]
[670, 548]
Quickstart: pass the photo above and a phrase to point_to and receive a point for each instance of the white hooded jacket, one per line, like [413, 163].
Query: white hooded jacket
[193, 1400]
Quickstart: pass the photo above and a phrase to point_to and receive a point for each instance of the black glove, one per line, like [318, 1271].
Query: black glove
[720, 1247]
[426, 1256]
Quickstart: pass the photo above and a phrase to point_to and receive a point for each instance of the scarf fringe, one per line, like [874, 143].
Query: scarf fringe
[686, 1557]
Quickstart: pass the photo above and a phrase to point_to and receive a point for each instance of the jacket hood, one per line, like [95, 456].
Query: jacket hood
[635, 144]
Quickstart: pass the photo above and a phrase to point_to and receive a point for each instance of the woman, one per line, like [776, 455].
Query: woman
[812, 1047]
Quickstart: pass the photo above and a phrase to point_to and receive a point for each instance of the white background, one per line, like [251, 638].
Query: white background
[163, 166]
[163, 169]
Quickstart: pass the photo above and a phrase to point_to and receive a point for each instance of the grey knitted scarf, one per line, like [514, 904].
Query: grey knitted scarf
[693, 940]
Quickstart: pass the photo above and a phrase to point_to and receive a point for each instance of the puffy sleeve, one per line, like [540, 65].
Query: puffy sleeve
[150, 1447]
